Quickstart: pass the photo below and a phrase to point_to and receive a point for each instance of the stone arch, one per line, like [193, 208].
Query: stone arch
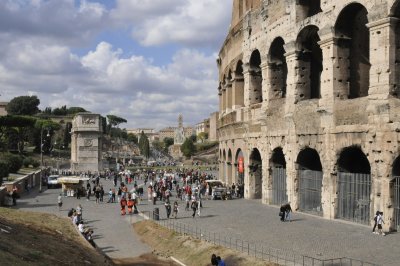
[238, 86]
[240, 169]
[255, 78]
[309, 64]
[228, 87]
[353, 44]
[353, 186]
[255, 169]
[307, 8]
[395, 12]
[309, 185]
[277, 68]
[278, 177]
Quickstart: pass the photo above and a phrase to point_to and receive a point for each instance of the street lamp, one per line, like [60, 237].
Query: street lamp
[41, 157]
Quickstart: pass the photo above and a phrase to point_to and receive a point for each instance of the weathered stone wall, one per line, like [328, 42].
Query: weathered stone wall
[336, 110]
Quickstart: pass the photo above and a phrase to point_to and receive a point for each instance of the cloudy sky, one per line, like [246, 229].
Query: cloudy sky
[144, 60]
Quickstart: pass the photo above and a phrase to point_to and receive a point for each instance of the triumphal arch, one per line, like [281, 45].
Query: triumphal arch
[309, 94]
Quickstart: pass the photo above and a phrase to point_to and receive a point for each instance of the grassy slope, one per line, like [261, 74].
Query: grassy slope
[43, 239]
[187, 249]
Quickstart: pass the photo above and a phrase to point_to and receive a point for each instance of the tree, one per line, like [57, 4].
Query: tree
[202, 136]
[60, 111]
[188, 148]
[146, 148]
[158, 145]
[168, 142]
[75, 110]
[114, 120]
[14, 131]
[23, 105]
[132, 138]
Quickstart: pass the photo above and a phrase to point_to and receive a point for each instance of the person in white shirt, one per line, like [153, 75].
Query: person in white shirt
[81, 228]
[379, 221]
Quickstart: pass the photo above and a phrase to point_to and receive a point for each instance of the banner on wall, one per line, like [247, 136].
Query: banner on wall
[240, 165]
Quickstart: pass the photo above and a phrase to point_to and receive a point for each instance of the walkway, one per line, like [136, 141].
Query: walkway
[243, 219]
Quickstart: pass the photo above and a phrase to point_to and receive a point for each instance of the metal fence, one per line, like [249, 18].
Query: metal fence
[354, 192]
[279, 190]
[396, 202]
[310, 188]
[263, 252]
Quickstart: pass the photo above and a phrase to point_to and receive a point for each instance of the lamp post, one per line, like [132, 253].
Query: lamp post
[41, 157]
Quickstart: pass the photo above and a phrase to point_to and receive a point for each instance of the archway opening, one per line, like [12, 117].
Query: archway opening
[354, 186]
[308, 8]
[395, 194]
[255, 169]
[310, 181]
[255, 77]
[278, 69]
[279, 183]
[239, 174]
[229, 168]
[310, 64]
[352, 31]
[238, 86]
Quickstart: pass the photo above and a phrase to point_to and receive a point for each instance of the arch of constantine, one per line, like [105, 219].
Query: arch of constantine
[309, 106]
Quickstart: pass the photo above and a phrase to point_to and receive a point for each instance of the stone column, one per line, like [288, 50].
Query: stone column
[223, 99]
[246, 76]
[266, 86]
[220, 102]
[292, 77]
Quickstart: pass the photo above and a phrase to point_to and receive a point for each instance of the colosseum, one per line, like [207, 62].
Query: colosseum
[309, 108]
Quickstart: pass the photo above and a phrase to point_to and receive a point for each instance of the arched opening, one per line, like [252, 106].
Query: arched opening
[255, 78]
[310, 181]
[255, 169]
[229, 90]
[278, 169]
[309, 65]
[229, 167]
[238, 86]
[353, 43]
[395, 194]
[224, 173]
[354, 186]
[278, 69]
[240, 170]
[395, 90]
[308, 8]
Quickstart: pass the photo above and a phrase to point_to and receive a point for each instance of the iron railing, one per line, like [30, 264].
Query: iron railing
[267, 253]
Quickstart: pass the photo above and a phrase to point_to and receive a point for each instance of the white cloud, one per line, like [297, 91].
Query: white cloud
[190, 22]
[39, 39]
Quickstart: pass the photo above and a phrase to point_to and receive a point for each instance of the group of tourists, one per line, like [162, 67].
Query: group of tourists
[77, 219]
[378, 221]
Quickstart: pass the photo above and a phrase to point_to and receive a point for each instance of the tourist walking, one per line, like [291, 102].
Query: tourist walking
[168, 208]
[375, 222]
[379, 221]
[59, 200]
[175, 210]
[123, 204]
[194, 207]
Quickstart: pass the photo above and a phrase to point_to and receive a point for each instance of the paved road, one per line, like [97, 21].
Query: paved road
[113, 233]
[248, 220]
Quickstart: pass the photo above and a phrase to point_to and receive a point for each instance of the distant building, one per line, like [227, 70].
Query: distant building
[3, 108]
[138, 131]
[203, 126]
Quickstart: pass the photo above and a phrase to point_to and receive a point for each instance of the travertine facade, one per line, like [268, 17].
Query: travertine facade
[86, 146]
[309, 101]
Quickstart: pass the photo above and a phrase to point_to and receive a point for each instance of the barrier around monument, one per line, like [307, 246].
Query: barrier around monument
[263, 252]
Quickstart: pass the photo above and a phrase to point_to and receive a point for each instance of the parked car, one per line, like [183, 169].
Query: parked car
[52, 181]
[218, 190]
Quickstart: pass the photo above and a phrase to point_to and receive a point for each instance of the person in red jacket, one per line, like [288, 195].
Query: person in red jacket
[123, 203]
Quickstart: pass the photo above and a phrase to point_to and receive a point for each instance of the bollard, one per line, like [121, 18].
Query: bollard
[156, 214]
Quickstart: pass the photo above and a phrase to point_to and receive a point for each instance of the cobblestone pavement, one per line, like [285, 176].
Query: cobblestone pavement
[248, 220]
[113, 233]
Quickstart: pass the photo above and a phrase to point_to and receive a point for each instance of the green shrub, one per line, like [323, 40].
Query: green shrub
[35, 164]
[14, 162]
[27, 161]
[3, 170]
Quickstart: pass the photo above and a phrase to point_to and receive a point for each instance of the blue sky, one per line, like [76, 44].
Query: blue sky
[144, 60]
